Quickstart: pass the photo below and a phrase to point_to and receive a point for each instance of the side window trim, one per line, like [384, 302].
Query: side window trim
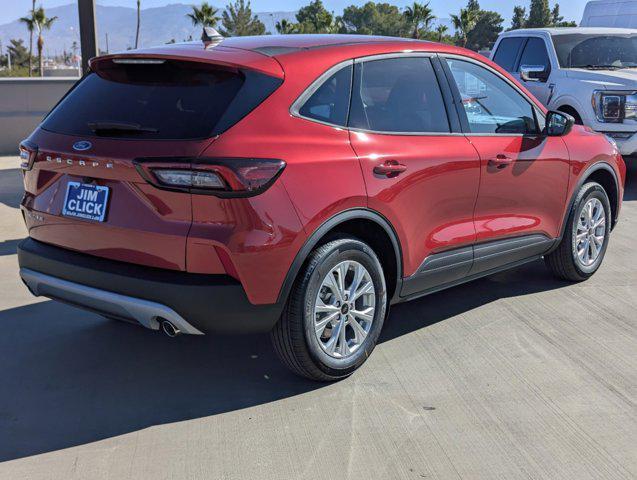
[295, 108]
[458, 99]
[452, 114]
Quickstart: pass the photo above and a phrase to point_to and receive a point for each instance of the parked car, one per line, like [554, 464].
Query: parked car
[610, 13]
[301, 185]
[589, 73]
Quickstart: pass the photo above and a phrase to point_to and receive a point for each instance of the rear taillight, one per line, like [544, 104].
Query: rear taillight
[28, 152]
[224, 177]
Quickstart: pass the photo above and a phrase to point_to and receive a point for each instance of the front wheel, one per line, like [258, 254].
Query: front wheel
[583, 246]
[335, 312]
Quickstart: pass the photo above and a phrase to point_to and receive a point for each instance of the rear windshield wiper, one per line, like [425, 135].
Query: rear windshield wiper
[119, 127]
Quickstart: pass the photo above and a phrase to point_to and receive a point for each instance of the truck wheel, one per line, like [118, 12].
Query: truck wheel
[583, 246]
[335, 312]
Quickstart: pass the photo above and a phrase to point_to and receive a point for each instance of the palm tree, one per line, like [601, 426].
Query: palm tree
[284, 27]
[464, 23]
[139, 19]
[30, 23]
[42, 22]
[206, 16]
[440, 31]
[419, 16]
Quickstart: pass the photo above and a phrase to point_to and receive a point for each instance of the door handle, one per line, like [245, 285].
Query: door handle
[500, 161]
[390, 169]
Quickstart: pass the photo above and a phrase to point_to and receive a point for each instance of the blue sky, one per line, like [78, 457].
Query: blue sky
[571, 9]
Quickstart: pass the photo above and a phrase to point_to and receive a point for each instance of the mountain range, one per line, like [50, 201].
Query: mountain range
[159, 25]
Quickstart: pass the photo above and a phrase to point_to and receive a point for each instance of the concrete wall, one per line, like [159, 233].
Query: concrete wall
[23, 103]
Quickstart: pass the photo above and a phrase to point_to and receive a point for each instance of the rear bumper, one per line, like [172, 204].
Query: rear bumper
[195, 303]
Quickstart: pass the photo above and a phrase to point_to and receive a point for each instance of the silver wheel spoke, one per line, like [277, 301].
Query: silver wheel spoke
[359, 331]
[367, 288]
[320, 325]
[367, 315]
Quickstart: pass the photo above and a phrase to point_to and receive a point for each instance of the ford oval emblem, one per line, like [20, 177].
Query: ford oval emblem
[82, 146]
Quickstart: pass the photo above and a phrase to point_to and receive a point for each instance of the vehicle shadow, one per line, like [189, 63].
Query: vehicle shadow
[11, 187]
[9, 247]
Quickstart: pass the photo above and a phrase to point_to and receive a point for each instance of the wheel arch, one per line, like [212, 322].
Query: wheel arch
[604, 174]
[368, 226]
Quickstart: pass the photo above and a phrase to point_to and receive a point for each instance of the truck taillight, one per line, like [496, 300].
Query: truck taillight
[226, 177]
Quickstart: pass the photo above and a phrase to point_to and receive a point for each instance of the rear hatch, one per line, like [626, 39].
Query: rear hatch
[84, 188]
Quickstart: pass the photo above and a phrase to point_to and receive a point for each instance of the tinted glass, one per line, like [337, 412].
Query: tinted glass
[582, 51]
[491, 104]
[399, 95]
[535, 53]
[507, 52]
[172, 100]
[330, 103]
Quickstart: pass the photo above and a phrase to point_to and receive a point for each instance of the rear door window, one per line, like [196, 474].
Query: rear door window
[507, 52]
[398, 95]
[167, 100]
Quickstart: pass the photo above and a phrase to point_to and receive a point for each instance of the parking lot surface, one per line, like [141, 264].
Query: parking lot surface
[512, 376]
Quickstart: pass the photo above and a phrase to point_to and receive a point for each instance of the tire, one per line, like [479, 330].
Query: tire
[564, 261]
[309, 354]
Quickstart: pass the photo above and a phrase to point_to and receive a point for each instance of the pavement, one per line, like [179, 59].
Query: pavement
[515, 376]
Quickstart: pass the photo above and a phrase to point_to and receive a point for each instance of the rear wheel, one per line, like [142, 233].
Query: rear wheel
[335, 312]
[585, 239]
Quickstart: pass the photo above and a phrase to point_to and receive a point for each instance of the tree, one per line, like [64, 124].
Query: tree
[204, 16]
[463, 23]
[139, 21]
[519, 18]
[485, 31]
[30, 24]
[373, 19]
[42, 22]
[419, 18]
[557, 20]
[441, 31]
[238, 21]
[539, 14]
[285, 28]
[314, 18]
[19, 54]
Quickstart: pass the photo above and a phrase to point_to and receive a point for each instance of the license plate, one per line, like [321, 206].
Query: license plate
[87, 201]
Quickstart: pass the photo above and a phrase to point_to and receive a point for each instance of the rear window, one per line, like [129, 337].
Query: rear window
[168, 100]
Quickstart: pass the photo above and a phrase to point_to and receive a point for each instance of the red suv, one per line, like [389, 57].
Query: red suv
[302, 184]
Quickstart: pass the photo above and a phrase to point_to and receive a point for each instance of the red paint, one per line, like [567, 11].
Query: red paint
[447, 196]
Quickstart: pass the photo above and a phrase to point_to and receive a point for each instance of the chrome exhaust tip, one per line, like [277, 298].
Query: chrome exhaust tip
[170, 329]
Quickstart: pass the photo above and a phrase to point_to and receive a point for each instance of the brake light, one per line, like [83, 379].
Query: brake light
[28, 152]
[224, 177]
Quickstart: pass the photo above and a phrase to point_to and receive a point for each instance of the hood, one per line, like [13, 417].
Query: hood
[609, 79]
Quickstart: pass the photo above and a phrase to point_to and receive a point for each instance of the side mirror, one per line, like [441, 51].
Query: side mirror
[534, 73]
[558, 124]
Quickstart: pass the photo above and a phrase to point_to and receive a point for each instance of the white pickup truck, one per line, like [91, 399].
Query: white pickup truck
[589, 73]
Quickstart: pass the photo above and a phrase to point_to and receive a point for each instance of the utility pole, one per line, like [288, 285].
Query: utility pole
[88, 31]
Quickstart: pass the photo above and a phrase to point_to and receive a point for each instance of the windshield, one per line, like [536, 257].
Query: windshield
[596, 51]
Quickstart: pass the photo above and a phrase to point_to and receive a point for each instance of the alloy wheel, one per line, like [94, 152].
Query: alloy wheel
[590, 232]
[344, 309]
